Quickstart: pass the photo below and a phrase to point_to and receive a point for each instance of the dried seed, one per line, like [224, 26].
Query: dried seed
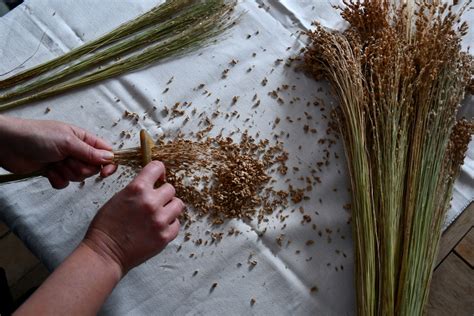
[235, 99]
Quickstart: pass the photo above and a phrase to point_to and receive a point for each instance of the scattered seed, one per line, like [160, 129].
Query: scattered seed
[235, 99]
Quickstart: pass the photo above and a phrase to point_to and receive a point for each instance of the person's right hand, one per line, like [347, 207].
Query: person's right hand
[138, 222]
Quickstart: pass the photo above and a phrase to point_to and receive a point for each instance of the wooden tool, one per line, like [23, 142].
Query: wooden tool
[146, 146]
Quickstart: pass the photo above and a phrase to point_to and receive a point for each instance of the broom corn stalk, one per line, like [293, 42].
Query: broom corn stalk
[190, 28]
[399, 74]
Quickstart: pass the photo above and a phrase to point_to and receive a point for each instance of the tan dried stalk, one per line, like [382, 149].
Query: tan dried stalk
[399, 75]
[217, 177]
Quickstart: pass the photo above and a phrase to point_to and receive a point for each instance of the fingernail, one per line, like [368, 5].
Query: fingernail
[107, 155]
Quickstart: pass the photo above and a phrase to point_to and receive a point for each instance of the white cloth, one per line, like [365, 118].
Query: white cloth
[53, 222]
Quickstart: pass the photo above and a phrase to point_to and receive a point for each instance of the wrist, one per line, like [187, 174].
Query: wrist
[7, 133]
[13, 135]
[105, 249]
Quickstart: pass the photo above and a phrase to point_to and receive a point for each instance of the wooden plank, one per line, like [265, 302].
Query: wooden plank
[33, 278]
[452, 288]
[455, 232]
[465, 248]
[15, 258]
[3, 229]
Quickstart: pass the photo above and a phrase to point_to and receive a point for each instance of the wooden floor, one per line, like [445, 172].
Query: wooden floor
[23, 269]
[452, 289]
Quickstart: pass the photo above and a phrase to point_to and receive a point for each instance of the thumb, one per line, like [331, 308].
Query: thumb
[151, 173]
[80, 150]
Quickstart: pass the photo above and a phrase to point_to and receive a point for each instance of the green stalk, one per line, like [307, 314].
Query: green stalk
[344, 62]
[7, 178]
[160, 13]
[396, 125]
[425, 228]
[194, 37]
[152, 35]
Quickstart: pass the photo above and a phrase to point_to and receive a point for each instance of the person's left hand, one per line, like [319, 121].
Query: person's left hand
[69, 153]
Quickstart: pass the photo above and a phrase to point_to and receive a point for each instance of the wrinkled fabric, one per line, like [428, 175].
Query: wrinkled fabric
[52, 223]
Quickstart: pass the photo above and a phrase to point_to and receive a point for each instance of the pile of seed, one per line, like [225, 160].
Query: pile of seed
[218, 177]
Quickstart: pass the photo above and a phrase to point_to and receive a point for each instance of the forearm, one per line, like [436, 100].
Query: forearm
[79, 286]
[7, 129]
[9, 123]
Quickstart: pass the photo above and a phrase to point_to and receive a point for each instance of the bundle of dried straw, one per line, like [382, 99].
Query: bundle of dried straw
[399, 74]
[170, 29]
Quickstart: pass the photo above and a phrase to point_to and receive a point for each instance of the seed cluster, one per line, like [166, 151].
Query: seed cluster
[458, 143]
[241, 175]
[217, 177]
[399, 74]
[247, 178]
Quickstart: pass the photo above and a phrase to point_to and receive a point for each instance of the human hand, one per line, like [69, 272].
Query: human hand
[69, 153]
[138, 222]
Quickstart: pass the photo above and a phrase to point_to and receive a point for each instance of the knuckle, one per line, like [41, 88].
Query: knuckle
[162, 238]
[158, 164]
[181, 204]
[167, 236]
[160, 224]
[173, 233]
[68, 139]
[148, 205]
[160, 209]
[176, 206]
[168, 187]
[136, 187]
[90, 153]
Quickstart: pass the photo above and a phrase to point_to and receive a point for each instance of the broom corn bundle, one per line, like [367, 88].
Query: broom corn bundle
[399, 75]
[190, 28]
[159, 13]
[151, 35]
